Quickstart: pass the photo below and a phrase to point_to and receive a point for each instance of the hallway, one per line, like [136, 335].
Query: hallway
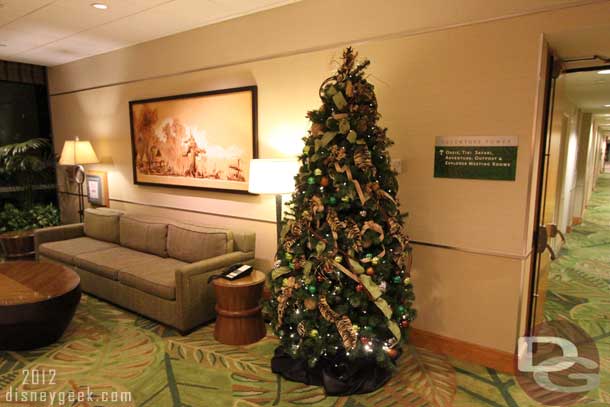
[579, 281]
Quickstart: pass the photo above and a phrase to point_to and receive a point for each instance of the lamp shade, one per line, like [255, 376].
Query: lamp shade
[272, 175]
[76, 152]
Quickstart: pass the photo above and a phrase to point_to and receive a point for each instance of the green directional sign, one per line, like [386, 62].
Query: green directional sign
[476, 157]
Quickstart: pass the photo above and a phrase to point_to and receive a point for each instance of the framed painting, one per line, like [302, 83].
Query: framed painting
[97, 188]
[200, 140]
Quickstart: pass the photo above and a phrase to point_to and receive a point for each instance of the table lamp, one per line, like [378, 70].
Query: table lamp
[273, 176]
[78, 153]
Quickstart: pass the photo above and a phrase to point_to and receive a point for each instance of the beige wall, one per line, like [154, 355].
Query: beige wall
[478, 79]
[584, 140]
[561, 170]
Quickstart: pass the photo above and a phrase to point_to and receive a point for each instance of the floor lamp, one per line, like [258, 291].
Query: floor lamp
[77, 153]
[273, 176]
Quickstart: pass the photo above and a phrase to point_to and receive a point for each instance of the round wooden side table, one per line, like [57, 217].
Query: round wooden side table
[37, 302]
[239, 320]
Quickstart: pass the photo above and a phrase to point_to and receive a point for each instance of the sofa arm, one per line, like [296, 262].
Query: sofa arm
[213, 263]
[55, 233]
[195, 296]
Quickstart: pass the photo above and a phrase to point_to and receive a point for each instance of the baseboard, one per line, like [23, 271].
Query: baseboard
[576, 220]
[468, 352]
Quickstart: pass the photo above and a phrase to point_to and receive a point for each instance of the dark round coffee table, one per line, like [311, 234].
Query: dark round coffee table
[37, 302]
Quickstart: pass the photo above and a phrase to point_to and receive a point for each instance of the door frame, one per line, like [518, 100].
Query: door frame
[543, 166]
[554, 70]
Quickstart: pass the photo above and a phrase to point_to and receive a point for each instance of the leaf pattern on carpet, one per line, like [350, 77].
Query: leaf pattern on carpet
[107, 347]
[424, 378]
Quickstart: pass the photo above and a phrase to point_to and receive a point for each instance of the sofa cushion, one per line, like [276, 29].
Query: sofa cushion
[66, 250]
[102, 224]
[144, 234]
[108, 263]
[158, 279]
[194, 243]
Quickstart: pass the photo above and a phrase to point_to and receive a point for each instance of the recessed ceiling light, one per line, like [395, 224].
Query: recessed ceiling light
[102, 6]
[604, 72]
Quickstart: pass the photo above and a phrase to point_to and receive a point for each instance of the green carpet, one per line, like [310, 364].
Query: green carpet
[579, 282]
[108, 349]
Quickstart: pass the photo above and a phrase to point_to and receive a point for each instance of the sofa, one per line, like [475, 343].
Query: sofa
[153, 266]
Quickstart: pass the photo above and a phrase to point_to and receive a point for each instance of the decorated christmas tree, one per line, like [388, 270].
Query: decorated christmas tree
[341, 293]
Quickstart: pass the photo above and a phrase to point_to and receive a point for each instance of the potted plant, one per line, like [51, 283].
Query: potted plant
[26, 163]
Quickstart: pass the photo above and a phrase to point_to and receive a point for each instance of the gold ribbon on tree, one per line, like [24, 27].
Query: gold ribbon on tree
[375, 189]
[345, 169]
[342, 322]
[288, 286]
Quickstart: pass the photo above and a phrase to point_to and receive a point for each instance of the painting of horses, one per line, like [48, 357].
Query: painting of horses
[200, 140]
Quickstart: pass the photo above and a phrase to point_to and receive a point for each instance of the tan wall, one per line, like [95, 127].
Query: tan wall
[584, 139]
[562, 149]
[477, 79]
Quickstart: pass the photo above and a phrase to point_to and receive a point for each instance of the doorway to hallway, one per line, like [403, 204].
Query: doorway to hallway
[571, 274]
[573, 157]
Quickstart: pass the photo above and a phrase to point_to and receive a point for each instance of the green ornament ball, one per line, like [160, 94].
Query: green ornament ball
[396, 279]
[291, 266]
[369, 255]
[312, 289]
[375, 260]
[332, 200]
[288, 256]
[317, 172]
[400, 309]
[314, 333]
[311, 180]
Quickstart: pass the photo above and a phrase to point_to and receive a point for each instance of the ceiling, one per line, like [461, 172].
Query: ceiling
[589, 90]
[54, 32]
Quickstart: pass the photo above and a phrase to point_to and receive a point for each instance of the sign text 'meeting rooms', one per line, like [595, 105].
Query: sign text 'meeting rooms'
[476, 157]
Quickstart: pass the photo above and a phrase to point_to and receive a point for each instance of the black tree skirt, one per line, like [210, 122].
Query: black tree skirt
[362, 376]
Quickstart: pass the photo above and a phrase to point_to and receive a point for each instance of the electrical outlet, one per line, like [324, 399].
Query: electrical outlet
[397, 165]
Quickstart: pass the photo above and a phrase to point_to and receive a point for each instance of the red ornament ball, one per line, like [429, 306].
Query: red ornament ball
[324, 181]
[404, 323]
[359, 288]
[370, 271]
[392, 353]
[364, 340]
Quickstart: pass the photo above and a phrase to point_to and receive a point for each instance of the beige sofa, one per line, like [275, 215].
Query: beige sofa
[155, 267]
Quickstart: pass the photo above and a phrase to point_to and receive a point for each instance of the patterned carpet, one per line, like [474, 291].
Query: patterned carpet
[579, 282]
[109, 349]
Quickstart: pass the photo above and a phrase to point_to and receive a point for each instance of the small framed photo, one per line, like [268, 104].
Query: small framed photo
[97, 188]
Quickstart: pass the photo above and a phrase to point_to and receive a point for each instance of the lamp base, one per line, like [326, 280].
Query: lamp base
[77, 174]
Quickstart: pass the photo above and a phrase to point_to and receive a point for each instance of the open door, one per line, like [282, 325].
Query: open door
[546, 201]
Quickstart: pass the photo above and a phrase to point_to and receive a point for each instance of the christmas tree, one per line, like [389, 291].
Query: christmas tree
[341, 291]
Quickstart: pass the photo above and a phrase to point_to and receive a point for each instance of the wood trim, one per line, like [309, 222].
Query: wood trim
[468, 352]
[576, 220]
